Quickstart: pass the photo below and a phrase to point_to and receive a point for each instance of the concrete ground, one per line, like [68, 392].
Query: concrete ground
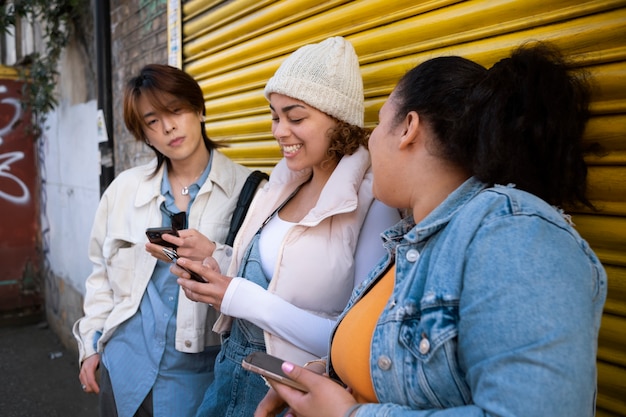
[39, 377]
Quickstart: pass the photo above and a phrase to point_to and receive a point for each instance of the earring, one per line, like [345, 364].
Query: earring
[147, 141]
[202, 118]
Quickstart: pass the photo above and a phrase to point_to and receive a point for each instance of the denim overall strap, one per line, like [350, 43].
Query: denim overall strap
[252, 270]
[242, 331]
[236, 392]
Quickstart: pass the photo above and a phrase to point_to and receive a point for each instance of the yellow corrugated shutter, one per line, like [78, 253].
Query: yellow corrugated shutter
[8, 73]
[233, 47]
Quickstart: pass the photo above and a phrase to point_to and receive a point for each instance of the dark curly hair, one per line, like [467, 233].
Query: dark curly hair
[345, 139]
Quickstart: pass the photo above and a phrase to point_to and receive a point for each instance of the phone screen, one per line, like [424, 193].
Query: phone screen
[269, 366]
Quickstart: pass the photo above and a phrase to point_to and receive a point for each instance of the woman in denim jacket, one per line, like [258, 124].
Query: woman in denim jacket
[489, 302]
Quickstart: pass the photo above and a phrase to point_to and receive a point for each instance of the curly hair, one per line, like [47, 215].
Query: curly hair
[345, 139]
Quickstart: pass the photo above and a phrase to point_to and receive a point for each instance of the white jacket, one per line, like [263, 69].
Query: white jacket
[122, 267]
[315, 267]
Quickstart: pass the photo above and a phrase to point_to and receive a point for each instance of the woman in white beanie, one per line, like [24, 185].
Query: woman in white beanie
[309, 233]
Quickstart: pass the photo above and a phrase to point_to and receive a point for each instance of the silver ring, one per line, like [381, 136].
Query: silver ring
[84, 387]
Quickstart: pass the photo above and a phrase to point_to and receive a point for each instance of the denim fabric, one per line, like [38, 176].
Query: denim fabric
[236, 392]
[495, 311]
[141, 356]
[107, 405]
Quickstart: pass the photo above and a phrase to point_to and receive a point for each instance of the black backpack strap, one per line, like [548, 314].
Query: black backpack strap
[245, 197]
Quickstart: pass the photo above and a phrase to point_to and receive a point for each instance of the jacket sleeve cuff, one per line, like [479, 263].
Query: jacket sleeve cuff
[85, 343]
[222, 254]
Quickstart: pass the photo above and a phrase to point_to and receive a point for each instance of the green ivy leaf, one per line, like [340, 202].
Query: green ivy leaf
[57, 18]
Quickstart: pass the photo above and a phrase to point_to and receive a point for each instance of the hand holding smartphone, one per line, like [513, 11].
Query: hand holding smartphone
[155, 235]
[171, 253]
[269, 366]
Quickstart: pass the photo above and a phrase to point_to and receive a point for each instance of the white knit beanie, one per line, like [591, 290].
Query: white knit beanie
[325, 76]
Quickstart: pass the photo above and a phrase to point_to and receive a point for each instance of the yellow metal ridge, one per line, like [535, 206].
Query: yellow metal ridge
[8, 72]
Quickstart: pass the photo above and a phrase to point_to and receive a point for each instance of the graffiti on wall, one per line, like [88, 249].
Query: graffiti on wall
[12, 188]
[20, 228]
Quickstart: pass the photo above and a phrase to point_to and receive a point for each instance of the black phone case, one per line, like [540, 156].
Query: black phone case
[154, 235]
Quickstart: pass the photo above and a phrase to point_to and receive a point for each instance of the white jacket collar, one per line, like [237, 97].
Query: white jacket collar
[340, 194]
[219, 176]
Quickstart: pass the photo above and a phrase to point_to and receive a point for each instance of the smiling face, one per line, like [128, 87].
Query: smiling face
[302, 133]
[171, 128]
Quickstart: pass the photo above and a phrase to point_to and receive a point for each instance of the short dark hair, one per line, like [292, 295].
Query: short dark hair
[152, 80]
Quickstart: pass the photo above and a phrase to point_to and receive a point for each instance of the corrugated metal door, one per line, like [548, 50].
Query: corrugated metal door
[233, 47]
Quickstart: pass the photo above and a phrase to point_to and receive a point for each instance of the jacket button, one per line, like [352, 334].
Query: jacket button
[424, 346]
[384, 362]
[187, 343]
[412, 255]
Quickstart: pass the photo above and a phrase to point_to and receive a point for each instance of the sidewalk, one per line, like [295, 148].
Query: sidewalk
[39, 377]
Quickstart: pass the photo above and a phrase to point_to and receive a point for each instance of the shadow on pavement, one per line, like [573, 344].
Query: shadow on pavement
[39, 376]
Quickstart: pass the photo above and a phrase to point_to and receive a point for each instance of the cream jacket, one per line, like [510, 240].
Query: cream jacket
[122, 267]
[315, 268]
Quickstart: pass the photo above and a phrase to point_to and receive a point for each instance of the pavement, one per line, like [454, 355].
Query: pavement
[39, 376]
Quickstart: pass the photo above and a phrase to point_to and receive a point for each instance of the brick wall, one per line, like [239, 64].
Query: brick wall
[138, 37]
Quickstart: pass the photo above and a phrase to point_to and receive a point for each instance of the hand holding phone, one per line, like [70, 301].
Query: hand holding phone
[155, 235]
[171, 253]
[269, 366]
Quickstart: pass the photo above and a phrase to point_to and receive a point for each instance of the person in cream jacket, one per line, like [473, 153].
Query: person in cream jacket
[153, 346]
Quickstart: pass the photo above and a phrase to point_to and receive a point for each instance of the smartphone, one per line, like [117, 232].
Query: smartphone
[268, 366]
[171, 253]
[154, 235]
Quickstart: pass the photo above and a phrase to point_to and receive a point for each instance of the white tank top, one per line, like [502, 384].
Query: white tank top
[270, 241]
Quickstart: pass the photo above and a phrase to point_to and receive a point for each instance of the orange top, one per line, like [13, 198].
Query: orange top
[351, 345]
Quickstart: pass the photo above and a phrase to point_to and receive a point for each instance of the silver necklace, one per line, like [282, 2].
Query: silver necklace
[185, 190]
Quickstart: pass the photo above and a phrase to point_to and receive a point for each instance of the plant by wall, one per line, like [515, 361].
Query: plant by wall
[39, 70]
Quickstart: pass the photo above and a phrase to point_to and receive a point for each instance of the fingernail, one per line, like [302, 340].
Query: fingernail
[287, 367]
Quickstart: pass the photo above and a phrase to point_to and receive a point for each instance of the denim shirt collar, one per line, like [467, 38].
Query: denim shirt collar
[406, 231]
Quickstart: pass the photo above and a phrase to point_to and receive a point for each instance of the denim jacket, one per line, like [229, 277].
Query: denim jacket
[495, 310]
